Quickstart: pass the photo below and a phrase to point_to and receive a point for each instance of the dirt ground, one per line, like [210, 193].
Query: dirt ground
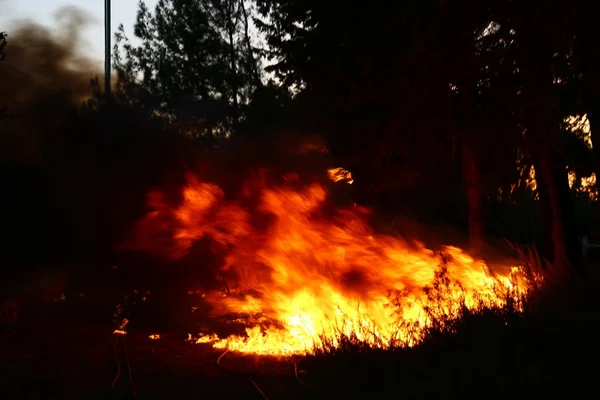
[71, 360]
[67, 350]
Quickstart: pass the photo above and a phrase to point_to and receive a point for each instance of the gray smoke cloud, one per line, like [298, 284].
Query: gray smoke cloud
[44, 74]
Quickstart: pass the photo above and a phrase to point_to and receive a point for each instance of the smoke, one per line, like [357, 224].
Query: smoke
[43, 76]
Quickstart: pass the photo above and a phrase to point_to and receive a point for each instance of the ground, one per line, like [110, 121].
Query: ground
[69, 360]
[65, 350]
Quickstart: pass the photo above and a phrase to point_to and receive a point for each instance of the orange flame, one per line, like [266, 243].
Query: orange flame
[310, 276]
[340, 174]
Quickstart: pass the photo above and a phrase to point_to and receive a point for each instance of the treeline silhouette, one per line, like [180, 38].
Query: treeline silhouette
[440, 109]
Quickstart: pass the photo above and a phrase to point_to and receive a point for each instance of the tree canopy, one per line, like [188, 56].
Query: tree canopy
[418, 98]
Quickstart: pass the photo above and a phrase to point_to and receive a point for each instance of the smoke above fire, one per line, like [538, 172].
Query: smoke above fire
[44, 74]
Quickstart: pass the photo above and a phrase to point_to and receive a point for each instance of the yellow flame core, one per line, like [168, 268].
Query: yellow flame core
[312, 276]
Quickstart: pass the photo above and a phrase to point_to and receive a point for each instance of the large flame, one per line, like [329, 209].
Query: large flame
[310, 275]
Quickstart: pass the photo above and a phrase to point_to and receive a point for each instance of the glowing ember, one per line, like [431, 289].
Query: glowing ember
[154, 336]
[310, 276]
[340, 174]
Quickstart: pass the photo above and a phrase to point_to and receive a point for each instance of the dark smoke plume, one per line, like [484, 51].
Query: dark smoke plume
[43, 75]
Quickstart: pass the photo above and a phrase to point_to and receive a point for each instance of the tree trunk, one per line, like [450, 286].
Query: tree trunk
[565, 248]
[593, 115]
[466, 126]
[232, 23]
[589, 62]
[251, 60]
[546, 245]
[542, 127]
[475, 192]
[550, 201]
[234, 79]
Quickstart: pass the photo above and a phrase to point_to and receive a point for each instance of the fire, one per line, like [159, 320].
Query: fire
[340, 174]
[308, 275]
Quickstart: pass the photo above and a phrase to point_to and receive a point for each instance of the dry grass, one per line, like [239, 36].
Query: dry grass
[535, 346]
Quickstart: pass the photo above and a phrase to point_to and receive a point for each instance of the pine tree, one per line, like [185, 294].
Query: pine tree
[195, 56]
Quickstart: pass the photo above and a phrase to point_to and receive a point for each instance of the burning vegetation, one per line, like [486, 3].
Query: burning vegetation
[309, 275]
[292, 238]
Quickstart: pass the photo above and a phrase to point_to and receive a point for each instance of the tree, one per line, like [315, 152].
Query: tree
[195, 56]
[2, 45]
[473, 74]
[463, 66]
[540, 37]
[400, 96]
[362, 76]
[4, 113]
[230, 19]
[582, 35]
[436, 80]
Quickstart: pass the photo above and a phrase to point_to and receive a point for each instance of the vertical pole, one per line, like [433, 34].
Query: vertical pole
[107, 49]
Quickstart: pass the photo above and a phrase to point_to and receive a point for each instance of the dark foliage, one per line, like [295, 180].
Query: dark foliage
[439, 108]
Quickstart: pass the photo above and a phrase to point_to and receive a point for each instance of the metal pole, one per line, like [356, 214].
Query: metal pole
[107, 49]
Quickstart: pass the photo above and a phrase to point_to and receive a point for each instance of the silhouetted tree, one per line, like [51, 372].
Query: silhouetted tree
[475, 75]
[436, 82]
[4, 114]
[368, 100]
[581, 36]
[451, 101]
[539, 39]
[196, 57]
[2, 45]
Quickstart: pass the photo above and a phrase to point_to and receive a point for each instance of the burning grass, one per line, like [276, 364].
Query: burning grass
[300, 273]
[342, 309]
[445, 304]
[536, 347]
